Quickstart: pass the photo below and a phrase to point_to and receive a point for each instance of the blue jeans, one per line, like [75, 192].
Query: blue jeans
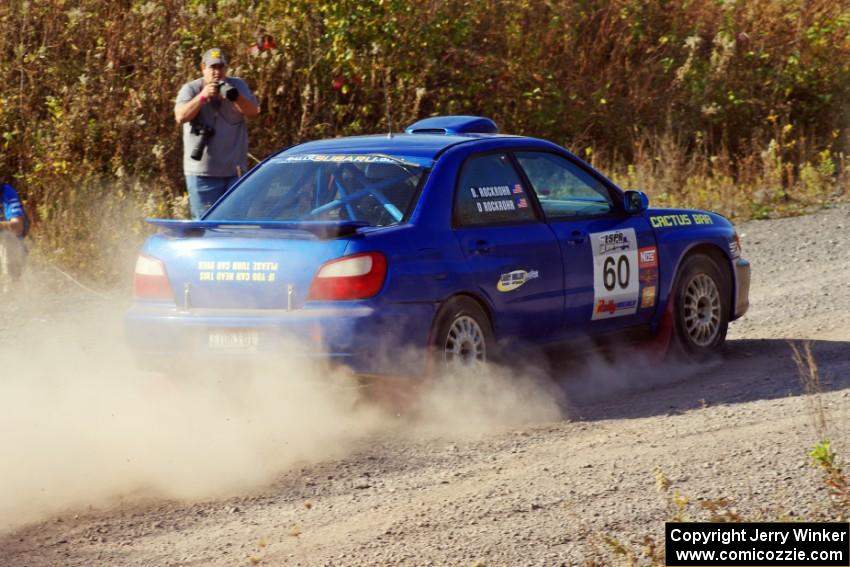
[204, 191]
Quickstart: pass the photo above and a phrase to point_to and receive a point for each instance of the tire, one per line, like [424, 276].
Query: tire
[462, 335]
[701, 307]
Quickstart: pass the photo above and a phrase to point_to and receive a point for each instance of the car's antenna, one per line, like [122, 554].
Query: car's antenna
[387, 72]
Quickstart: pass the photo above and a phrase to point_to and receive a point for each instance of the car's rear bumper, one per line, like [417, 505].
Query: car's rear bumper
[742, 287]
[389, 340]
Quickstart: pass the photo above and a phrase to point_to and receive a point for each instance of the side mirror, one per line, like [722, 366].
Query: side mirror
[635, 202]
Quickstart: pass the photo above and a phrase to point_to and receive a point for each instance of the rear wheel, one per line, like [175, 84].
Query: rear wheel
[463, 336]
[701, 307]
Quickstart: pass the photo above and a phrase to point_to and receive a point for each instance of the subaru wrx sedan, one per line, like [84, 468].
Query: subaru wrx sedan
[446, 244]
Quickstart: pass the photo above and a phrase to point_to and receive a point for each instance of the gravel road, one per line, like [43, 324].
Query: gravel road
[109, 467]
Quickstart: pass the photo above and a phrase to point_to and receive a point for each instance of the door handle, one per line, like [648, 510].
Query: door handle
[576, 237]
[479, 247]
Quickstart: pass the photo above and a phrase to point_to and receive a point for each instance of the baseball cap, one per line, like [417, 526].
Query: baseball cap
[214, 56]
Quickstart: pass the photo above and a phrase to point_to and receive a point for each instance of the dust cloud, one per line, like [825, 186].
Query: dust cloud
[484, 400]
[81, 426]
[545, 388]
[596, 384]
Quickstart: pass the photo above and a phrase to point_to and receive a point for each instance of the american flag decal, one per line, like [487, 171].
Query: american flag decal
[521, 203]
[518, 189]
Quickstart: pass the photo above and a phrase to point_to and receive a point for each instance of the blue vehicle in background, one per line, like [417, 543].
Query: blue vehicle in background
[447, 244]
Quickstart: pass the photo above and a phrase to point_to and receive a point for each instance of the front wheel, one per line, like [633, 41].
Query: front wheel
[701, 307]
[463, 336]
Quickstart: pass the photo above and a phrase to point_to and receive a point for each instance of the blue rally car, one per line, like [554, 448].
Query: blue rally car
[448, 244]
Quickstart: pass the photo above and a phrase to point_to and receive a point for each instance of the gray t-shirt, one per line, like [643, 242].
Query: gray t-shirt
[227, 150]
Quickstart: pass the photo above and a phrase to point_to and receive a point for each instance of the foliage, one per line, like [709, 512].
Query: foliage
[834, 478]
[738, 107]
[821, 454]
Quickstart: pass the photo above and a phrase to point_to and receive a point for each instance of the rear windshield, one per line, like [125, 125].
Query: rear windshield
[377, 189]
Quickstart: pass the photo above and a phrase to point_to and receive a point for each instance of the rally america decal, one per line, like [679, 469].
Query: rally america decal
[616, 283]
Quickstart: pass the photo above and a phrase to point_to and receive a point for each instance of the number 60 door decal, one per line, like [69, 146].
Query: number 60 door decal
[615, 270]
[611, 276]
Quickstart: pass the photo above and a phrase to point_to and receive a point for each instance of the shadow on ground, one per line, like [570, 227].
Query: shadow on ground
[749, 370]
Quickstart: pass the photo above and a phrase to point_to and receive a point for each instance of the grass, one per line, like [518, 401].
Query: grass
[763, 184]
[822, 454]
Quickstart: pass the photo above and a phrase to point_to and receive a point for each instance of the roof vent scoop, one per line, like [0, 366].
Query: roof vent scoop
[453, 125]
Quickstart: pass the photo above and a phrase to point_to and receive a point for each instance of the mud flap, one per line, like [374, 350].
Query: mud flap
[658, 348]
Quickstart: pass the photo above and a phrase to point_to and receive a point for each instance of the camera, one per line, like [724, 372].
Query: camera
[205, 133]
[227, 90]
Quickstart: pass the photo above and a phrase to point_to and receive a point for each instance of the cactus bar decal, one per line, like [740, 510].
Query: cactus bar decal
[680, 220]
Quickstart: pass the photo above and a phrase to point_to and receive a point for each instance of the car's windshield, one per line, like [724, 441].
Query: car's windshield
[377, 189]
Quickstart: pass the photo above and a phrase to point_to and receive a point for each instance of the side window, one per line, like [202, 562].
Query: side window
[563, 188]
[490, 192]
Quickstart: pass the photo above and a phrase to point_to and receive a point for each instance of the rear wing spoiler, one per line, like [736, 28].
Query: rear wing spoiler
[320, 229]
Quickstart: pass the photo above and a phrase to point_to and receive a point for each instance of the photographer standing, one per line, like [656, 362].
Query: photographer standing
[213, 110]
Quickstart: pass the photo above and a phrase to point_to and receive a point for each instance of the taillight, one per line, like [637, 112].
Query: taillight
[353, 277]
[151, 279]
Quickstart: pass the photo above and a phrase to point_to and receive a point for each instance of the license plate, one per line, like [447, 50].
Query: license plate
[234, 339]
